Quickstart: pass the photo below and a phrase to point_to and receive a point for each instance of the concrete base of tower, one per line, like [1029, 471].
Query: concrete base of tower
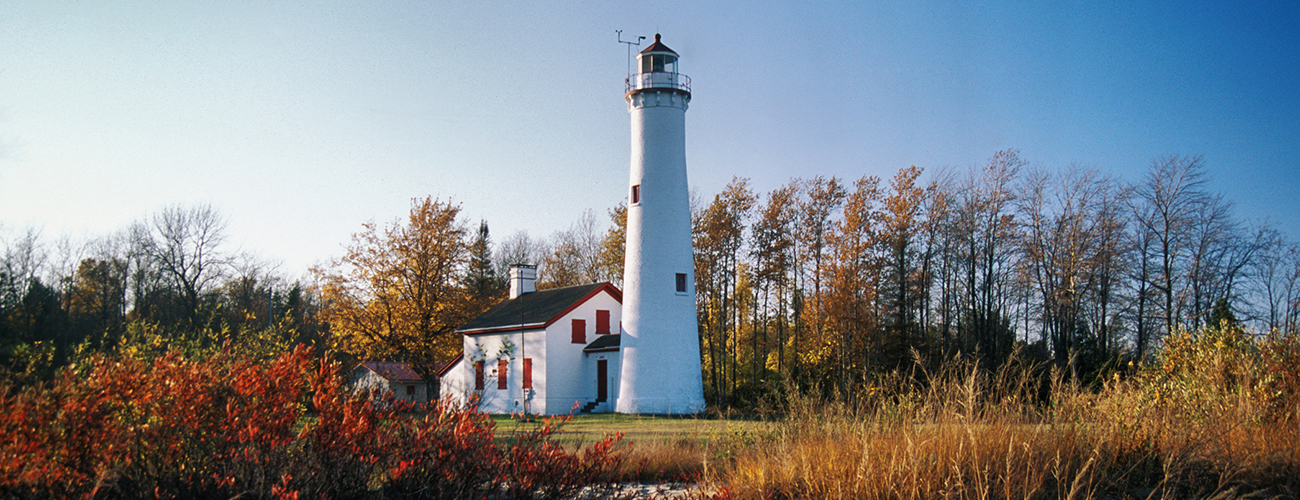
[660, 406]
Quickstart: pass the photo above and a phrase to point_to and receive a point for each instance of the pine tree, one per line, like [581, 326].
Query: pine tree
[483, 285]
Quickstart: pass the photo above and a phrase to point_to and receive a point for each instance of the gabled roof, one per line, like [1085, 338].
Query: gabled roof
[392, 370]
[536, 309]
[604, 343]
[450, 364]
[658, 47]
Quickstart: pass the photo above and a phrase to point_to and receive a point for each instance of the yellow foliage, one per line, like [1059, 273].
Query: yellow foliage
[396, 294]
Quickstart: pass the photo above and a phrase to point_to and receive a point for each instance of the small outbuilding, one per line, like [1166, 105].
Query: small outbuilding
[379, 377]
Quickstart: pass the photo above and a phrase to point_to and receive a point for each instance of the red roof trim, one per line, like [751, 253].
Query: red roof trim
[606, 287]
[508, 328]
[455, 361]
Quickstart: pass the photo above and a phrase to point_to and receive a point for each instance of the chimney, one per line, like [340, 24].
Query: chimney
[522, 277]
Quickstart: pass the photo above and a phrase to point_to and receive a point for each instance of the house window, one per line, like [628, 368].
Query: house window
[580, 331]
[478, 375]
[681, 282]
[501, 373]
[636, 194]
[528, 373]
[602, 322]
[410, 390]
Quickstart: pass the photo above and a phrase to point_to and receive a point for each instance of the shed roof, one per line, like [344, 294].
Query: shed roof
[536, 309]
[604, 343]
[392, 370]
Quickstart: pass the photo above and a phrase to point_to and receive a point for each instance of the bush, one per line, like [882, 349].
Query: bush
[287, 428]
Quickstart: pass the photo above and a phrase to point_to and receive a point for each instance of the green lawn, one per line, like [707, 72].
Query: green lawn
[640, 428]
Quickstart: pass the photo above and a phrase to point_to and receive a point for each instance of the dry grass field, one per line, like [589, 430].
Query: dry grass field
[1214, 417]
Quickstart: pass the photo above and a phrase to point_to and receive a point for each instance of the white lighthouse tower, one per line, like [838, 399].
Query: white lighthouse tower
[660, 341]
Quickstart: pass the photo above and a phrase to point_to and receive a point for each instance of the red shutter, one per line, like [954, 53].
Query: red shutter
[501, 373]
[528, 373]
[602, 322]
[478, 375]
[580, 331]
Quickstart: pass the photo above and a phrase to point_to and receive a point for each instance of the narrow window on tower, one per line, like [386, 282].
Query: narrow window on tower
[681, 282]
[501, 374]
[636, 194]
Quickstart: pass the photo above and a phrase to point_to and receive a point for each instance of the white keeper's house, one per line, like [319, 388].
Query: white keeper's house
[542, 352]
[593, 347]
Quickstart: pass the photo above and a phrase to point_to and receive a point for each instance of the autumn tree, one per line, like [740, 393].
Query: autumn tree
[96, 302]
[772, 248]
[718, 242]
[902, 227]
[817, 209]
[398, 292]
[613, 245]
[852, 336]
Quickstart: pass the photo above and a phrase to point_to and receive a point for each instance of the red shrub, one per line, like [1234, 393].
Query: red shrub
[226, 426]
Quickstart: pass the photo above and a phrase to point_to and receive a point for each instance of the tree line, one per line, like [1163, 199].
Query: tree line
[166, 281]
[822, 282]
[171, 281]
[829, 283]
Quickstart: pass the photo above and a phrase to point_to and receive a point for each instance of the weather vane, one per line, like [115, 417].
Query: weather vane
[629, 44]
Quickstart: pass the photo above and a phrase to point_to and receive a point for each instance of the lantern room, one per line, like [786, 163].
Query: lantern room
[657, 70]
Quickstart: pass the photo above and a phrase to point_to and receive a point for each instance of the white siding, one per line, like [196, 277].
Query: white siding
[562, 375]
[570, 379]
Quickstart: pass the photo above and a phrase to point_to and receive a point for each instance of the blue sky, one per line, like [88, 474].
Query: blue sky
[302, 121]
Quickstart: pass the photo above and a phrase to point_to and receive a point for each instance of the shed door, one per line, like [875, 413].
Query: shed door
[602, 380]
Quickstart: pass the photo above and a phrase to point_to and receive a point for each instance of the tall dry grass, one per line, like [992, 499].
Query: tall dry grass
[1200, 422]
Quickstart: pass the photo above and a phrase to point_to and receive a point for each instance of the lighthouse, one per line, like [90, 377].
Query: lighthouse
[660, 342]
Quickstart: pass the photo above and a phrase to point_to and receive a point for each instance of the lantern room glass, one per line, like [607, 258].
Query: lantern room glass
[658, 63]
